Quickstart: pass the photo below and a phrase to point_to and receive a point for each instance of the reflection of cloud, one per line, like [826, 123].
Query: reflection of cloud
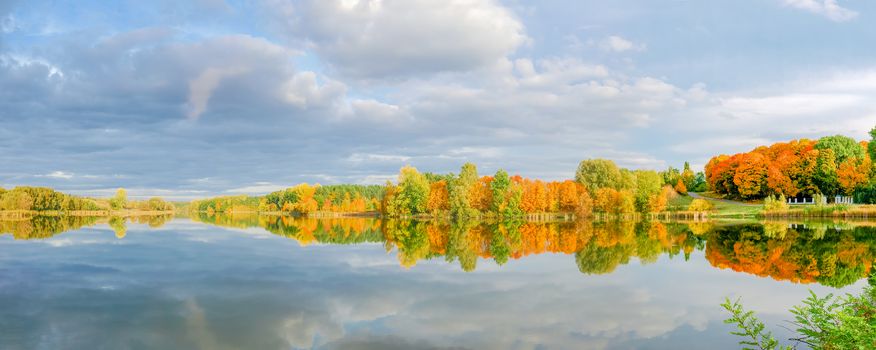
[270, 294]
[198, 329]
[366, 342]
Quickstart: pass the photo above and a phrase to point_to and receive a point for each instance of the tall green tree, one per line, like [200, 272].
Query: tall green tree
[120, 200]
[843, 147]
[648, 185]
[413, 190]
[499, 186]
[871, 147]
[825, 177]
[688, 177]
[460, 206]
[598, 173]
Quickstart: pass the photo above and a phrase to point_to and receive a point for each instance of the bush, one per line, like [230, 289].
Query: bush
[700, 205]
[822, 323]
[866, 194]
[771, 203]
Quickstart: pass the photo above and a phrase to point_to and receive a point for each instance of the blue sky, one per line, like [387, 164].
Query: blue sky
[188, 99]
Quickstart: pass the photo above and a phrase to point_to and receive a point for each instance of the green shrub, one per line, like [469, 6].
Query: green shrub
[822, 323]
[771, 203]
[700, 205]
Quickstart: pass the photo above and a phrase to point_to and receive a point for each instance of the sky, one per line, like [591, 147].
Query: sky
[186, 99]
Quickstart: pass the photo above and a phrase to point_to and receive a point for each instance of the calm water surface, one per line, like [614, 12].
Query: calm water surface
[252, 282]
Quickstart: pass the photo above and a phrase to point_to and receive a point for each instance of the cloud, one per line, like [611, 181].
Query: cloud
[616, 43]
[378, 39]
[368, 157]
[59, 175]
[258, 188]
[827, 8]
[202, 87]
[347, 91]
[819, 105]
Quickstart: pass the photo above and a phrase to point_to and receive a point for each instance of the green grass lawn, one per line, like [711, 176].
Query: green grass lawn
[679, 203]
[732, 210]
[722, 209]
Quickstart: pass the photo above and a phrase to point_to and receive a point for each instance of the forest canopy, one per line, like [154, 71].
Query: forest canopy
[40, 199]
[832, 165]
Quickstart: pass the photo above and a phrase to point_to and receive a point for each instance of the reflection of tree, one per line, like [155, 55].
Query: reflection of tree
[827, 253]
[118, 225]
[806, 254]
[459, 245]
[598, 260]
[42, 227]
[412, 239]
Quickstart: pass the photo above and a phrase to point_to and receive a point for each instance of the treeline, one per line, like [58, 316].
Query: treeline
[600, 187]
[832, 165]
[225, 204]
[41, 199]
[306, 199]
[303, 199]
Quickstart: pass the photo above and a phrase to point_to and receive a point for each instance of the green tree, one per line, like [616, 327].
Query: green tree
[825, 177]
[671, 176]
[513, 200]
[413, 191]
[598, 173]
[688, 177]
[460, 207]
[648, 186]
[120, 200]
[871, 147]
[499, 186]
[843, 147]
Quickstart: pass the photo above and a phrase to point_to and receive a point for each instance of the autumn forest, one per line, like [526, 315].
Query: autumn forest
[827, 167]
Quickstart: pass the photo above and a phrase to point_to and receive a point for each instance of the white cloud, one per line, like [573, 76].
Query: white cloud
[617, 43]
[738, 121]
[142, 193]
[396, 38]
[303, 90]
[376, 179]
[59, 175]
[373, 110]
[257, 188]
[827, 8]
[370, 157]
[481, 152]
[202, 87]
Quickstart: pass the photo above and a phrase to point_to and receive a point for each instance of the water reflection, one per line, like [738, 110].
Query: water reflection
[834, 254]
[192, 285]
[831, 254]
[44, 227]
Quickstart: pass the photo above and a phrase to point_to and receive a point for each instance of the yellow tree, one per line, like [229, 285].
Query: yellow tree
[439, 197]
[853, 173]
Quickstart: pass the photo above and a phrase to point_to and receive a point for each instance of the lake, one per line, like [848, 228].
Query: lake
[268, 282]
